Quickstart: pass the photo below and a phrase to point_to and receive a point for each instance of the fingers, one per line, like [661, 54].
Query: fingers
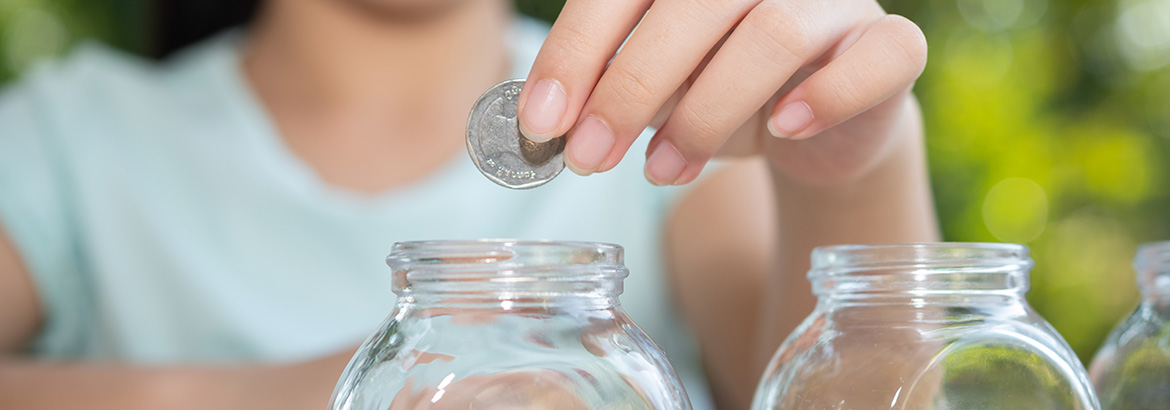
[884, 61]
[604, 108]
[667, 46]
[586, 34]
[772, 42]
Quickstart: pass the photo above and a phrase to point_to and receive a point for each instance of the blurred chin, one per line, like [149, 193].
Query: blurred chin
[407, 9]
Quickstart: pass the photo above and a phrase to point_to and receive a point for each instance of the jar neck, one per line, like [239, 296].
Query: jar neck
[507, 273]
[1152, 264]
[937, 273]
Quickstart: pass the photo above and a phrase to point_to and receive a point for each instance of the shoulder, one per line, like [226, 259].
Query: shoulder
[98, 91]
[58, 95]
[91, 76]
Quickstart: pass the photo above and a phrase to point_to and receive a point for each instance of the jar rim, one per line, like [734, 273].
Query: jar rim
[440, 244]
[825, 258]
[919, 267]
[488, 265]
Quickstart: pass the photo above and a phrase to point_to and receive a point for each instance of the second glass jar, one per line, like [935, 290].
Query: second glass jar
[923, 326]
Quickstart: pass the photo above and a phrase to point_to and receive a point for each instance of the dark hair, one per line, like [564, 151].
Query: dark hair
[179, 23]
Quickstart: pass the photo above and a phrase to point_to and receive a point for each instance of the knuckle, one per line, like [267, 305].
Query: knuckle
[716, 7]
[908, 39]
[696, 123]
[571, 43]
[784, 27]
[847, 93]
[631, 86]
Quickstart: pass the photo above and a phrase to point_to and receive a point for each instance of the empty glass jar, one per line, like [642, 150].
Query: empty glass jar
[508, 325]
[923, 326]
[1132, 370]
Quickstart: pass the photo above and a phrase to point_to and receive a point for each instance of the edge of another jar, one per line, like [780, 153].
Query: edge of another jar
[1152, 263]
[923, 266]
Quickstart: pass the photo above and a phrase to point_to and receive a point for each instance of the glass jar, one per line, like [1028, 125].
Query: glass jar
[508, 325]
[1132, 369]
[923, 326]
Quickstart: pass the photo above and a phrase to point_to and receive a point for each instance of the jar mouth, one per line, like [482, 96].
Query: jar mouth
[1152, 263]
[528, 267]
[939, 267]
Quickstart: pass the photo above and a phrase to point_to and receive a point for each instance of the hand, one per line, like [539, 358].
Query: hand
[818, 86]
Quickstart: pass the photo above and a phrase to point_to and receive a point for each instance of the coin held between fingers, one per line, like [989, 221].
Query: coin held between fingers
[538, 153]
[499, 150]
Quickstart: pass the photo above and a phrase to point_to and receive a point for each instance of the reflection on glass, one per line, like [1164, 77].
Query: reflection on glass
[923, 326]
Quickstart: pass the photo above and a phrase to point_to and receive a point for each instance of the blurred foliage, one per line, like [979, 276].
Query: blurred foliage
[1048, 123]
[33, 29]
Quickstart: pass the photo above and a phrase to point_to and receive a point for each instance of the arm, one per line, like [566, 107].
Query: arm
[27, 383]
[890, 204]
[740, 275]
[30, 384]
[720, 241]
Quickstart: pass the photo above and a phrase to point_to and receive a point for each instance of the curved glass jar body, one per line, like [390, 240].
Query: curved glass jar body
[923, 326]
[1132, 368]
[508, 325]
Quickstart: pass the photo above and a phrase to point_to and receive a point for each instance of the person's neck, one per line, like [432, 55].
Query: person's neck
[340, 56]
[373, 104]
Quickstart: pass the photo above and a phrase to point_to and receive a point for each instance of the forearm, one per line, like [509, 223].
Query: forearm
[33, 384]
[29, 384]
[889, 203]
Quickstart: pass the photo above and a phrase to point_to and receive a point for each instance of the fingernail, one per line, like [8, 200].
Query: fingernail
[590, 143]
[664, 165]
[543, 111]
[791, 119]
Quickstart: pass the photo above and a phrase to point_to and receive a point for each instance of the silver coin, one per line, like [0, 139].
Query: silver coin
[498, 149]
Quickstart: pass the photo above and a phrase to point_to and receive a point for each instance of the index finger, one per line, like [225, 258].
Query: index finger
[585, 36]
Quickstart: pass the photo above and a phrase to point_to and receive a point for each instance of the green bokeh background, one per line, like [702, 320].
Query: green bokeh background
[1048, 123]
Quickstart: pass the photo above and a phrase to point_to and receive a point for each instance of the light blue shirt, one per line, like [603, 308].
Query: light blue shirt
[163, 219]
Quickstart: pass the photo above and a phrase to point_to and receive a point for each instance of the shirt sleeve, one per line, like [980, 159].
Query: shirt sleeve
[35, 215]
